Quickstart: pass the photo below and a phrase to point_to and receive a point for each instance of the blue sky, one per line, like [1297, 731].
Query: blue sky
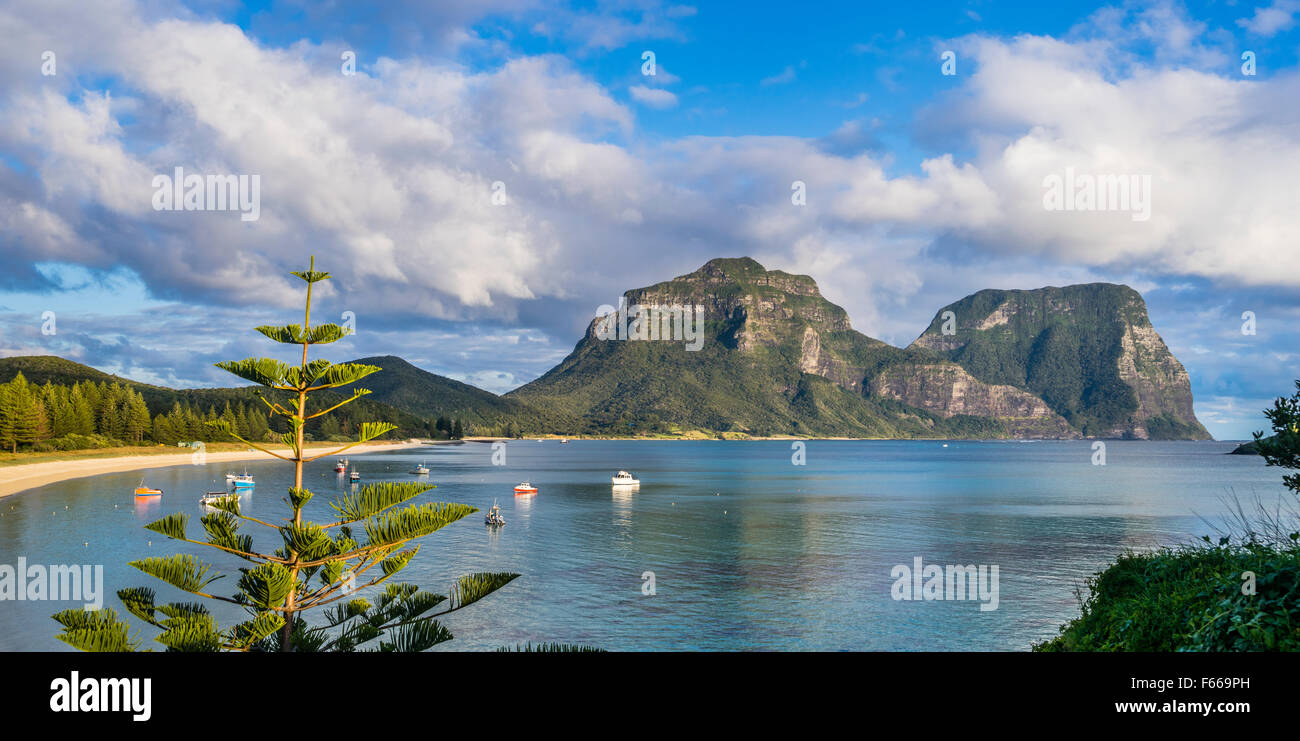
[922, 187]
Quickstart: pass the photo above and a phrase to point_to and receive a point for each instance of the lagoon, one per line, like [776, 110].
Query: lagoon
[727, 545]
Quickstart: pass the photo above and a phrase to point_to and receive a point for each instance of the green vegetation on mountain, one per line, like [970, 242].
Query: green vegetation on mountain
[778, 358]
[1089, 351]
[419, 392]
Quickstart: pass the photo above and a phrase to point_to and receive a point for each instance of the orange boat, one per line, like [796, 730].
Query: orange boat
[525, 488]
[145, 491]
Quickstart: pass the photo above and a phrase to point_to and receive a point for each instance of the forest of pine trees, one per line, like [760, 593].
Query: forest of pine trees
[101, 415]
[91, 414]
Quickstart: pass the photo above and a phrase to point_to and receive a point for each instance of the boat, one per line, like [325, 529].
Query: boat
[623, 478]
[494, 517]
[341, 465]
[356, 476]
[421, 470]
[143, 491]
[240, 480]
[211, 497]
[525, 488]
[564, 441]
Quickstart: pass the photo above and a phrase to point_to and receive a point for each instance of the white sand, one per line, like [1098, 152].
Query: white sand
[14, 479]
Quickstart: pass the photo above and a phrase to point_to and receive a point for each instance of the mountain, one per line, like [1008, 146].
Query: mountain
[430, 395]
[778, 358]
[39, 369]
[774, 357]
[1088, 351]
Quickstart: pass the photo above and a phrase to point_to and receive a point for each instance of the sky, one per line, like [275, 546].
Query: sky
[481, 175]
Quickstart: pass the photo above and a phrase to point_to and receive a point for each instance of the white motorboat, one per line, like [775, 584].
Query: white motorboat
[420, 470]
[623, 478]
[494, 517]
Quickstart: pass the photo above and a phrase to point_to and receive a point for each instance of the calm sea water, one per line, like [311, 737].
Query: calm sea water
[748, 550]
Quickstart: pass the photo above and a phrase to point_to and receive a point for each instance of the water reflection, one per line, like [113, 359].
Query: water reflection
[750, 552]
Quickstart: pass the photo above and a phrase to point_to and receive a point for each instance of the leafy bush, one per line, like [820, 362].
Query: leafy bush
[75, 441]
[1191, 599]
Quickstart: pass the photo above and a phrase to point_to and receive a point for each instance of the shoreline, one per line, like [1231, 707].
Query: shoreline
[25, 476]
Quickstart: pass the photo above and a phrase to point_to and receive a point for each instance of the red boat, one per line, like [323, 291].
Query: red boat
[525, 488]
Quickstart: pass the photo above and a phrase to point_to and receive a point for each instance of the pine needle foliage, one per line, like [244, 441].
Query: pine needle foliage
[311, 565]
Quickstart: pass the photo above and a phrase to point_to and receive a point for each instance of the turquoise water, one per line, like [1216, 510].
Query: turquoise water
[748, 550]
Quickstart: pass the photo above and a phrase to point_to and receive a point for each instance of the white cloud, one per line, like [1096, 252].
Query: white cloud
[784, 76]
[388, 176]
[1269, 20]
[652, 97]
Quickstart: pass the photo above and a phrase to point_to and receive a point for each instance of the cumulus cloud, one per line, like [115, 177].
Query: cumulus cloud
[653, 97]
[1272, 19]
[519, 194]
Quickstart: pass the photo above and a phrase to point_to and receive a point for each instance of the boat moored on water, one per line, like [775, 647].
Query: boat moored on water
[341, 465]
[623, 478]
[420, 470]
[356, 476]
[144, 492]
[494, 517]
[525, 488]
[213, 497]
[240, 480]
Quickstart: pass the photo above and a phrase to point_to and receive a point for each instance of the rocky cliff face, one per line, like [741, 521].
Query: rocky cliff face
[1089, 351]
[947, 389]
[779, 358]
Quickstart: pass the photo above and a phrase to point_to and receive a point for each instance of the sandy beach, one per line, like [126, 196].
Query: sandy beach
[29, 476]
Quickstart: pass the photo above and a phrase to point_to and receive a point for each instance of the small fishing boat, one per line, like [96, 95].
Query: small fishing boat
[420, 470]
[212, 497]
[240, 480]
[341, 465]
[564, 441]
[143, 491]
[494, 517]
[623, 478]
[525, 488]
[356, 476]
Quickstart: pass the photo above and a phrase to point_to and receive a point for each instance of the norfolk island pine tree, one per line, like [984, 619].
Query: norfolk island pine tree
[276, 589]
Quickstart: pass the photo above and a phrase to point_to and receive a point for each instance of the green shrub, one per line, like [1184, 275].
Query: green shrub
[1191, 599]
[74, 441]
